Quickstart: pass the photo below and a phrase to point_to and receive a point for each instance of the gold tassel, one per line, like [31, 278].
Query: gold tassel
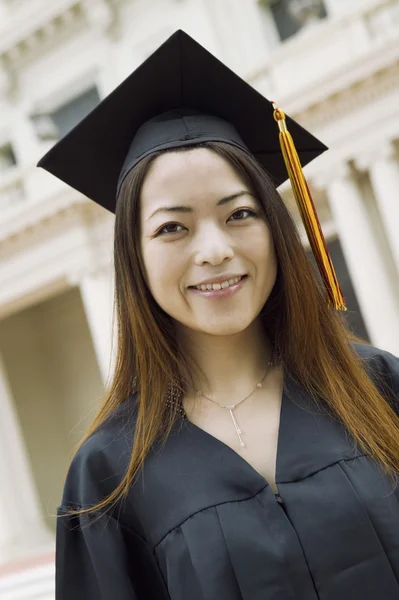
[308, 213]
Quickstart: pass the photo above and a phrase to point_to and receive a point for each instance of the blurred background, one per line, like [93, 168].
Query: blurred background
[333, 65]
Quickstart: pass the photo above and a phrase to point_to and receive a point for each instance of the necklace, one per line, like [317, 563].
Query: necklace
[231, 407]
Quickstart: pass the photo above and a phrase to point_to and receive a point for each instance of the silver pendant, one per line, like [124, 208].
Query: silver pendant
[238, 430]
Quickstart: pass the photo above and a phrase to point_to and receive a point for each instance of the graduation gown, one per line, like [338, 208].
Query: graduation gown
[200, 523]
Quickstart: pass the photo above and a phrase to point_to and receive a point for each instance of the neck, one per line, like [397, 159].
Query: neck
[227, 365]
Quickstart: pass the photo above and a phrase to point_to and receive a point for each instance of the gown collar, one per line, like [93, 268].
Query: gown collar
[309, 439]
[194, 470]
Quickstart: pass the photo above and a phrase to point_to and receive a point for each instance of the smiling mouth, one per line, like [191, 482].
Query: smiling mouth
[218, 286]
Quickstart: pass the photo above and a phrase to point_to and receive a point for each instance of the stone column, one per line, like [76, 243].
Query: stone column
[22, 529]
[383, 167]
[375, 293]
[96, 288]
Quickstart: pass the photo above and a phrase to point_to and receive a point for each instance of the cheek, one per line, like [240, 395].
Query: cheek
[151, 266]
[259, 248]
[162, 270]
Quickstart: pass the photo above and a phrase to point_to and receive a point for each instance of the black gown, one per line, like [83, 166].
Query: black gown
[201, 523]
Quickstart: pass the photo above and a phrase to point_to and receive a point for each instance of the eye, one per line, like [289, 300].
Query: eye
[169, 228]
[243, 213]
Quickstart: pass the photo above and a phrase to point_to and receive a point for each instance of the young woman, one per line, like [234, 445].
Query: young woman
[248, 447]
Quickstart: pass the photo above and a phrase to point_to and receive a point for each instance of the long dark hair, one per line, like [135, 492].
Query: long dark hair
[311, 337]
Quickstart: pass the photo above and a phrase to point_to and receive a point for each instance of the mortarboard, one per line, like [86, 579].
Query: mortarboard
[182, 95]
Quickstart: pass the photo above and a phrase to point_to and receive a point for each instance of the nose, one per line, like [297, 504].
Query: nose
[213, 246]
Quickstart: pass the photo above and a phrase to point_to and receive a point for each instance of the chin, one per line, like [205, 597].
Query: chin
[230, 327]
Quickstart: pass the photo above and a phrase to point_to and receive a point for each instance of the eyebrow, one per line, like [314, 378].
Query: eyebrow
[189, 209]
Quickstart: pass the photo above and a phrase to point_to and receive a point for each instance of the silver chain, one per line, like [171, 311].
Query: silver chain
[231, 407]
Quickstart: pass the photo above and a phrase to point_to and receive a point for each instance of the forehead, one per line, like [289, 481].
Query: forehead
[189, 173]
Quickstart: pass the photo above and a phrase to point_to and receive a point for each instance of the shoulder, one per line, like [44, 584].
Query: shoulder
[382, 367]
[101, 462]
[378, 360]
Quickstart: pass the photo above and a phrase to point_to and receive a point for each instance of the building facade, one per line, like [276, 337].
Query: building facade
[333, 65]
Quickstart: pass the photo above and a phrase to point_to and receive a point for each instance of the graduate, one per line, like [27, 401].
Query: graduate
[248, 446]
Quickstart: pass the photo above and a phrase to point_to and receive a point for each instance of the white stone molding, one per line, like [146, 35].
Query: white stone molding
[383, 21]
[322, 179]
[29, 32]
[61, 95]
[338, 99]
[22, 529]
[12, 191]
[231, 23]
[96, 288]
[383, 167]
[25, 141]
[7, 81]
[361, 66]
[44, 244]
[32, 28]
[99, 14]
[381, 151]
[374, 290]
[22, 221]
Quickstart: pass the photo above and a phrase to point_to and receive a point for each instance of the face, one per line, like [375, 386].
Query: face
[201, 226]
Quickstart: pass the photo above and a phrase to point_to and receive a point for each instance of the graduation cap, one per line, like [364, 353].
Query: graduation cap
[181, 96]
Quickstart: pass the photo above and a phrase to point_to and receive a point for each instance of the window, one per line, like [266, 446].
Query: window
[11, 182]
[7, 158]
[353, 316]
[290, 16]
[68, 115]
